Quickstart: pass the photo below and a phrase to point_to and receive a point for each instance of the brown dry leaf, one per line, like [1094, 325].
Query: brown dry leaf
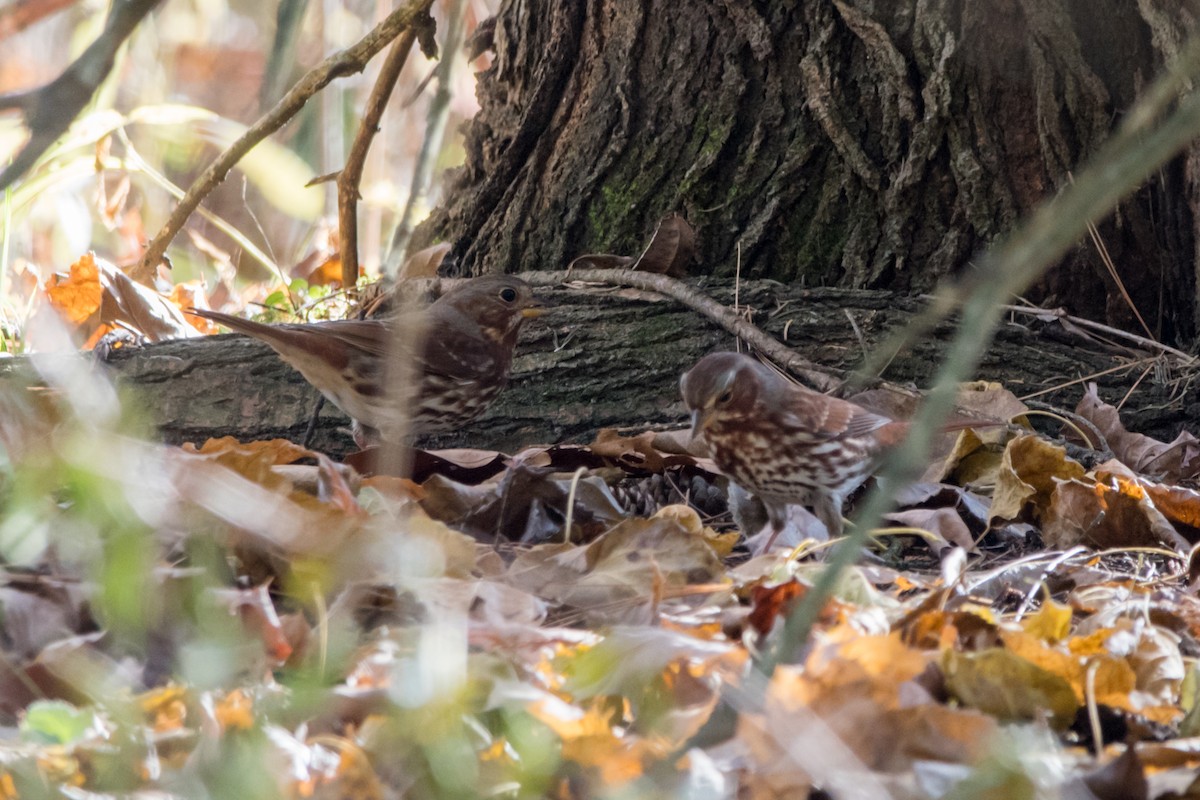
[1172, 461]
[1124, 777]
[858, 705]
[252, 459]
[1159, 665]
[329, 272]
[600, 261]
[988, 400]
[424, 263]
[1117, 514]
[97, 297]
[671, 249]
[1009, 687]
[463, 465]
[630, 452]
[721, 543]
[1028, 473]
[938, 629]
[191, 294]
[769, 603]
[1176, 503]
[74, 669]
[321, 265]
[525, 504]
[944, 523]
[262, 506]
[972, 461]
[129, 304]
[622, 575]
[77, 296]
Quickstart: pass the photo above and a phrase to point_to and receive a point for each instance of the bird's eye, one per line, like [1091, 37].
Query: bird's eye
[724, 397]
[508, 294]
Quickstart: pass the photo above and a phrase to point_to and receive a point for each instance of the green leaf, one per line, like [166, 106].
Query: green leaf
[55, 722]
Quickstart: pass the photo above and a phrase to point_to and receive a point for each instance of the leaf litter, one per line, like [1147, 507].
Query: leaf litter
[568, 621]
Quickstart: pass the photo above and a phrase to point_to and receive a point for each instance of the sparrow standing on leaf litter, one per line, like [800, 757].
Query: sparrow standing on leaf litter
[783, 442]
[467, 337]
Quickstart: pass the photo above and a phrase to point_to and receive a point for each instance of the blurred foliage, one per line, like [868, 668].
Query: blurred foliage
[189, 82]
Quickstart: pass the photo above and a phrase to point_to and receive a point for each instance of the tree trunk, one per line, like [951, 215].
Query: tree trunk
[612, 358]
[845, 143]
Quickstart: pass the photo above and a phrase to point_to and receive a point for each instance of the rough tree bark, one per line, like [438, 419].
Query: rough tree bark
[850, 143]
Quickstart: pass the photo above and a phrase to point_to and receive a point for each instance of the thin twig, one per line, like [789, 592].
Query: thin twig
[696, 300]
[346, 62]
[1083, 379]
[1136, 384]
[1100, 327]
[1109, 265]
[351, 174]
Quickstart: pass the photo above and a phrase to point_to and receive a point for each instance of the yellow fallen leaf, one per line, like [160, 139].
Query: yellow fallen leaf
[1002, 683]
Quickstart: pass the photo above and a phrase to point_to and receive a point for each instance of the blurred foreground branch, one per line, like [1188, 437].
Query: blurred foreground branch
[51, 109]
[1143, 144]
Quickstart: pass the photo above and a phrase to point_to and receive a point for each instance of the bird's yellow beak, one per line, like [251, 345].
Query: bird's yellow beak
[533, 312]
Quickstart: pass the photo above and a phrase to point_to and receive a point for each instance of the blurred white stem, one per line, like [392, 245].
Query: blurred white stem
[333, 100]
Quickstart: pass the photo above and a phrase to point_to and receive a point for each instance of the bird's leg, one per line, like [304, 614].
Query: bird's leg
[777, 517]
[364, 435]
[828, 509]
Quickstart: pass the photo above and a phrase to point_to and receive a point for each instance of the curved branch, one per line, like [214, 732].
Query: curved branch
[756, 337]
[351, 174]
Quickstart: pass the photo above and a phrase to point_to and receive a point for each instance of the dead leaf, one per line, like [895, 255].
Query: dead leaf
[1005, 685]
[599, 261]
[424, 263]
[1029, 471]
[1117, 513]
[77, 296]
[943, 523]
[622, 575]
[671, 249]
[1172, 462]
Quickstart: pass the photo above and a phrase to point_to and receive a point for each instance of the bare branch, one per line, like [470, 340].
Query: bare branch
[693, 298]
[351, 174]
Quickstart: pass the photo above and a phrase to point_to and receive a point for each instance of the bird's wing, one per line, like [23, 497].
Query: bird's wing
[457, 350]
[829, 417]
[368, 335]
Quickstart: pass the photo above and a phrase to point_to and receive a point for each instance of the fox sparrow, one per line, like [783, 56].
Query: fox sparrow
[460, 359]
[783, 442]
